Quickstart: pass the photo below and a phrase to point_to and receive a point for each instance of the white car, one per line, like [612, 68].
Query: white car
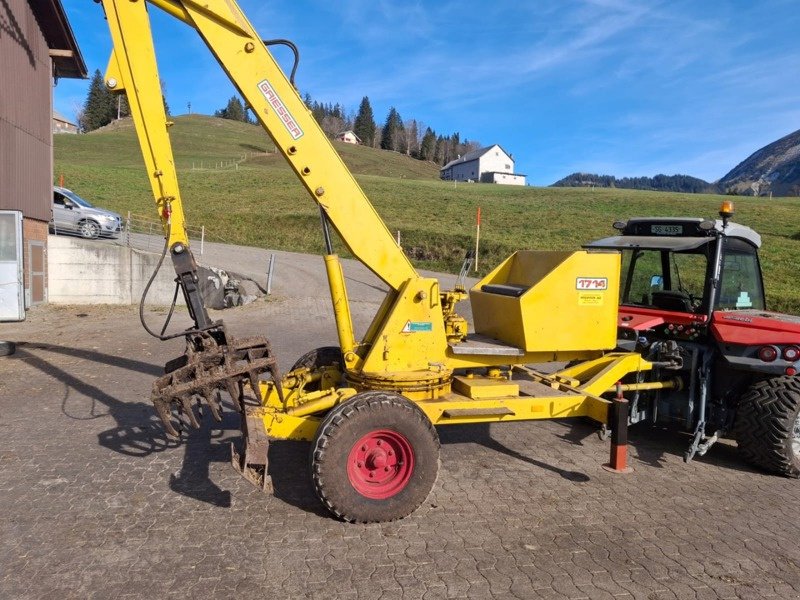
[73, 214]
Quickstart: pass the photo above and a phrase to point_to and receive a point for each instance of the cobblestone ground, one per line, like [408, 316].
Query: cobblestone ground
[96, 503]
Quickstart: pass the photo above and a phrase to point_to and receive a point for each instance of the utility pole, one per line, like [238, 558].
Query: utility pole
[189, 106]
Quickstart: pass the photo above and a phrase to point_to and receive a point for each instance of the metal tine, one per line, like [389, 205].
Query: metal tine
[234, 391]
[253, 377]
[214, 403]
[185, 402]
[163, 410]
[276, 379]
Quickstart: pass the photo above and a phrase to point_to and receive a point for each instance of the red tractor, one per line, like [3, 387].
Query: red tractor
[692, 301]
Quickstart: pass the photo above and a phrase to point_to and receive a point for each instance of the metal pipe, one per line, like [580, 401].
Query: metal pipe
[341, 305]
[314, 406]
[670, 384]
[270, 268]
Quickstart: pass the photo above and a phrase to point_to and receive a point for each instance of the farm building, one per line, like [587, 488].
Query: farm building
[487, 165]
[36, 46]
[63, 125]
[348, 137]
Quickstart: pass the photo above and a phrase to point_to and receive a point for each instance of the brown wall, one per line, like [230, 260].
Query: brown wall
[34, 260]
[26, 169]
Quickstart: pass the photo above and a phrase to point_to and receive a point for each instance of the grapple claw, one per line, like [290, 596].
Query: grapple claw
[208, 367]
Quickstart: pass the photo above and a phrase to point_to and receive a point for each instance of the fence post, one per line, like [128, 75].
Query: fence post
[202, 238]
[270, 269]
[128, 230]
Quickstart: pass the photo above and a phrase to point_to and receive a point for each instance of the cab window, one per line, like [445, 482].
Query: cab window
[740, 286]
[666, 280]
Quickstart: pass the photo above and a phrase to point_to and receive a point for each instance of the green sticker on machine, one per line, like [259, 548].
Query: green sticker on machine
[417, 326]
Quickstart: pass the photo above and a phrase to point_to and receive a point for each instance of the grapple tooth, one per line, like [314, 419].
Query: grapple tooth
[162, 409]
[214, 404]
[234, 391]
[253, 377]
[185, 402]
[276, 379]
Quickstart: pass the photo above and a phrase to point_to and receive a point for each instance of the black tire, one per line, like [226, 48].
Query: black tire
[768, 425]
[347, 430]
[326, 356]
[7, 348]
[89, 230]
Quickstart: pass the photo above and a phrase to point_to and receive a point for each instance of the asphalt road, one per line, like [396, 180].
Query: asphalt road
[98, 503]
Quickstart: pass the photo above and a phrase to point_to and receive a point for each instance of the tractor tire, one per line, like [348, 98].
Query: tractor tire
[768, 425]
[319, 357]
[325, 356]
[375, 458]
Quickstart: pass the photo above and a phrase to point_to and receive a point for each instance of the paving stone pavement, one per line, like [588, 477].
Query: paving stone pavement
[98, 503]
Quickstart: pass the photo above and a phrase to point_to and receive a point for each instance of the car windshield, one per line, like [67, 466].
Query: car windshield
[77, 199]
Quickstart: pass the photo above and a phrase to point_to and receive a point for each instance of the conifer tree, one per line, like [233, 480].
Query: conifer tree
[100, 107]
[364, 124]
[234, 111]
[427, 149]
[392, 131]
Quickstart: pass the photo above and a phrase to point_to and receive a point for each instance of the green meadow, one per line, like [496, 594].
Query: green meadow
[234, 184]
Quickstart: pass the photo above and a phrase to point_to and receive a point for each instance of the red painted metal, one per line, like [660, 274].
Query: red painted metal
[380, 464]
[755, 328]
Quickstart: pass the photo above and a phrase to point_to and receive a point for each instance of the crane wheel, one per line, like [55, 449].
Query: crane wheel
[768, 425]
[326, 356]
[375, 458]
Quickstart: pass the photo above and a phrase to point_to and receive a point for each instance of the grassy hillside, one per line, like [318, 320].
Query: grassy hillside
[262, 204]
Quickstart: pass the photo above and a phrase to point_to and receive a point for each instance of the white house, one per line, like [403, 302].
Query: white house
[348, 137]
[62, 125]
[487, 165]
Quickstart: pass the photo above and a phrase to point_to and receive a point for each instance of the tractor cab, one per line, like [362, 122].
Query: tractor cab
[681, 270]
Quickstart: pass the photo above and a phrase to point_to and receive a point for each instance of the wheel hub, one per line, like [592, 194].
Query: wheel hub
[380, 464]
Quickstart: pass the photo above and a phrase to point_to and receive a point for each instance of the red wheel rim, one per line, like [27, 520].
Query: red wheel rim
[380, 464]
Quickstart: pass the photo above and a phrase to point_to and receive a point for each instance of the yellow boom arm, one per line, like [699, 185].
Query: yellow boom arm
[276, 104]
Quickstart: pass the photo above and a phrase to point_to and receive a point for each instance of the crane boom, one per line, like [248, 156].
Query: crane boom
[277, 106]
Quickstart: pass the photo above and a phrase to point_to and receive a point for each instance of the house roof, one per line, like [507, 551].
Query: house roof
[474, 155]
[59, 117]
[67, 59]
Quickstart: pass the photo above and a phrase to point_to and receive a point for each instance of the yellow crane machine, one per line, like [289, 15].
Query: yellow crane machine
[368, 406]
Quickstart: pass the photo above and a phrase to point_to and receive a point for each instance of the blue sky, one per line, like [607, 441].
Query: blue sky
[616, 87]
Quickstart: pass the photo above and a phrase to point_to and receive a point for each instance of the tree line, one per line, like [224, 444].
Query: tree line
[662, 183]
[410, 137]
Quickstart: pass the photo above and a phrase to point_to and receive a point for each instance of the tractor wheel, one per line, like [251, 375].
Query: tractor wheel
[768, 425]
[375, 458]
[325, 356]
[7, 348]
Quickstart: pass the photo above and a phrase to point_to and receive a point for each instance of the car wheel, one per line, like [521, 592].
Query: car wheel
[89, 230]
